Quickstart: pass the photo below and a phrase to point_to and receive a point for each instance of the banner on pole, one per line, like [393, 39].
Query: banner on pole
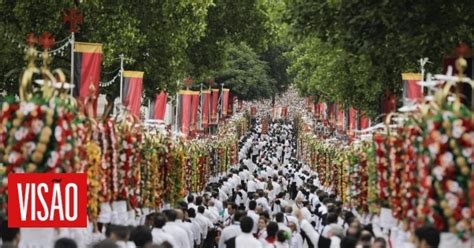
[184, 111]
[225, 102]
[206, 105]
[158, 109]
[253, 111]
[87, 66]
[214, 105]
[363, 122]
[132, 91]
[340, 117]
[352, 120]
[194, 111]
[411, 90]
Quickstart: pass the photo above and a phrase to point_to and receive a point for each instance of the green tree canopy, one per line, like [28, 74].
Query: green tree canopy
[245, 74]
[390, 36]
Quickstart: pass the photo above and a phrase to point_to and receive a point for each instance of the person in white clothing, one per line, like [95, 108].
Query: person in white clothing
[263, 202]
[296, 238]
[246, 239]
[188, 227]
[179, 234]
[232, 230]
[158, 233]
[204, 223]
[252, 214]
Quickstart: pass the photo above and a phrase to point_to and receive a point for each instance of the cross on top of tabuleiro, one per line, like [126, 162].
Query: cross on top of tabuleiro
[46, 40]
[31, 39]
[73, 17]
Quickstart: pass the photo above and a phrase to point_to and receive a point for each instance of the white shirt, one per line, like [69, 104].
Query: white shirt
[179, 234]
[251, 186]
[283, 227]
[228, 233]
[188, 227]
[159, 236]
[296, 240]
[246, 240]
[306, 213]
[218, 204]
[123, 244]
[255, 217]
[310, 232]
[211, 213]
[262, 201]
[204, 224]
[196, 228]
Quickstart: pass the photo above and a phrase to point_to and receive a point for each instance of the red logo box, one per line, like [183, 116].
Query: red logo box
[47, 200]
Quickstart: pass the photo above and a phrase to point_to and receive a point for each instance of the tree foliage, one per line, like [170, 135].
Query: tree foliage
[245, 74]
[390, 36]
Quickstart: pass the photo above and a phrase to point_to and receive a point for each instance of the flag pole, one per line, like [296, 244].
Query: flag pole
[210, 110]
[72, 62]
[121, 77]
[200, 108]
[177, 105]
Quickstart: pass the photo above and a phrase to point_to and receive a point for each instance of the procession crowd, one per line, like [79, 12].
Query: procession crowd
[270, 199]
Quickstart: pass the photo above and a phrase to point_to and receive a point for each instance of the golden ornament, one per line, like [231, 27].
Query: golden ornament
[45, 135]
[460, 161]
[31, 167]
[37, 157]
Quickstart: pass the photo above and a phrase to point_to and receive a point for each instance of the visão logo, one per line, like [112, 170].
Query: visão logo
[47, 200]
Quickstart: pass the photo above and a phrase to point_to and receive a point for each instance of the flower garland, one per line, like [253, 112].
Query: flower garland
[381, 163]
[93, 170]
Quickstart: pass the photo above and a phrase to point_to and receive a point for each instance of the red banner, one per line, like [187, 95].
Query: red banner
[332, 113]
[284, 112]
[206, 102]
[132, 91]
[194, 111]
[253, 111]
[160, 106]
[389, 103]
[225, 102]
[230, 109]
[411, 90]
[340, 117]
[309, 103]
[47, 200]
[363, 122]
[87, 62]
[184, 111]
[352, 119]
[214, 103]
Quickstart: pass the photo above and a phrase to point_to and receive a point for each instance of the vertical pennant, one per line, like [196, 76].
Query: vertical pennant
[214, 105]
[230, 109]
[352, 120]
[225, 102]
[184, 112]
[194, 111]
[87, 66]
[284, 112]
[340, 117]
[132, 91]
[411, 90]
[206, 106]
[363, 122]
[389, 102]
[253, 111]
[160, 106]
